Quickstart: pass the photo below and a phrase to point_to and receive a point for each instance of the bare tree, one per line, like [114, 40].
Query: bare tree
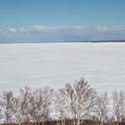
[7, 102]
[1, 115]
[40, 104]
[101, 108]
[78, 98]
[85, 98]
[119, 105]
[22, 107]
[61, 106]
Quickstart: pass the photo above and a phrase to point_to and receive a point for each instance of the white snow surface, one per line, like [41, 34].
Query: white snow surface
[54, 64]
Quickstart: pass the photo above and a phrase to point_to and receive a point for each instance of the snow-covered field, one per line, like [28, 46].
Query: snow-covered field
[54, 64]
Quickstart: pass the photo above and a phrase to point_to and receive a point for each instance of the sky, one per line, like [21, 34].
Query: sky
[61, 20]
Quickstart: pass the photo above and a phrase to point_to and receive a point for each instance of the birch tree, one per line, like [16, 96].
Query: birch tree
[23, 106]
[79, 99]
[7, 102]
[62, 107]
[119, 105]
[40, 104]
[102, 107]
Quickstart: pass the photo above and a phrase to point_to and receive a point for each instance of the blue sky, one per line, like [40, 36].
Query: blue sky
[61, 20]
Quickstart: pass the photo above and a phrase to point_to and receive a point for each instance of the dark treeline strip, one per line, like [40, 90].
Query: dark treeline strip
[71, 105]
[67, 122]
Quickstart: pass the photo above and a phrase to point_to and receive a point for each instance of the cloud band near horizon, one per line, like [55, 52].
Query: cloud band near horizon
[60, 33]
[54, 28]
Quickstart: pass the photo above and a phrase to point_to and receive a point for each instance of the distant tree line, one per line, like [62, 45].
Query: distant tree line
[76, 101]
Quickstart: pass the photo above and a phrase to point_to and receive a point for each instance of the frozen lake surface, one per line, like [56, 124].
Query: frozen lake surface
[54, 64]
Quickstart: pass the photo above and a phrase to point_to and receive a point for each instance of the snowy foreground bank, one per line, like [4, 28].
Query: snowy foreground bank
[54, 64]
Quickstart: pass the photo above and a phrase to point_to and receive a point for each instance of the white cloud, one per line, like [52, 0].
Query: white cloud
[22, 29]
[13, 30]
[61, 33]
[80, 29]
[41, 29]
[102, 28]
[109, 29]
